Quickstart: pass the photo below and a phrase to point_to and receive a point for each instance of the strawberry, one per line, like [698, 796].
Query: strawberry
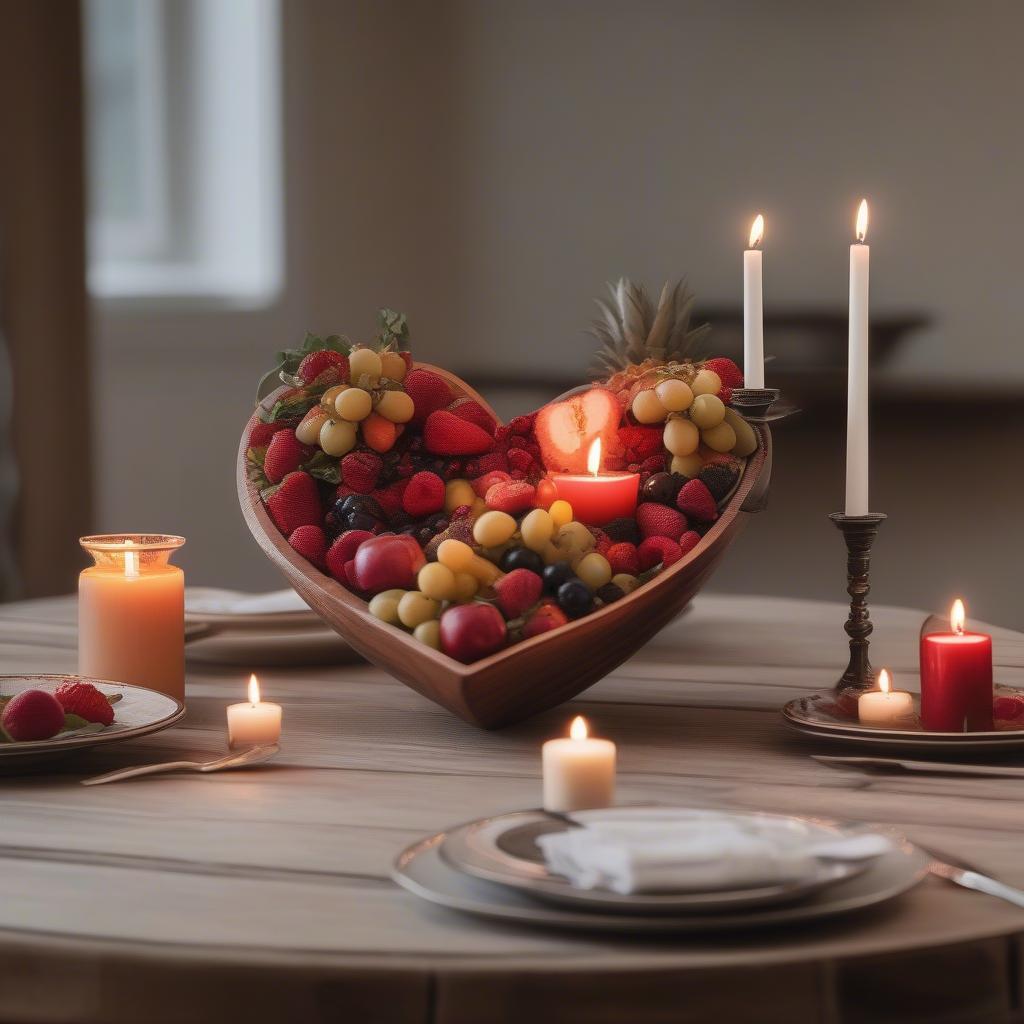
[84, 700]
[657, 520]
[295, 503]
[731, 375]
[697, 502]
[473, 412]
[32, 715]
[520, 459]
[428, 391]
[547, 616]
[360, 471]
[343, 551]
[446, 434]
[324, 367]
[1008, 708]
[725, 394]
[482, 484]
[689, 541]
[423, 495]
[642, 442]
[311, 543]
[390, 498]
[622, 557]
[261, 433]
[380, 434]
[654, 550]
[285, 454]
[517, 591]
[513, 497]
[522, 425]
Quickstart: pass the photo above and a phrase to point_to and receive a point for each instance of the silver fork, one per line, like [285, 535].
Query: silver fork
[236, 759]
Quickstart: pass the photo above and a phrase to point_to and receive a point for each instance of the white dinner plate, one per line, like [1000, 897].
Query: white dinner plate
[139, 711]
[503, 849]
[423, 871]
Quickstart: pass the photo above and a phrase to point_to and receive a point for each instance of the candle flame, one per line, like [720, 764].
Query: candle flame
[862, 220]
[578, 729]
[594, 457]
[131, 560]
[756, 232]
[254, 690]
[957, 617]
[884, 682]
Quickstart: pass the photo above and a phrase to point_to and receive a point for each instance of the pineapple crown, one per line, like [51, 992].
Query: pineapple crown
[631, 331]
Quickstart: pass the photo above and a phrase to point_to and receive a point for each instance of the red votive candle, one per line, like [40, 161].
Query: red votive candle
[598, 498]
[956, 678]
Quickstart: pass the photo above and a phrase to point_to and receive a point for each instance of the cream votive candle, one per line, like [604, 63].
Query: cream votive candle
[885, 708]
[579, 772]
[131, 612]
[256, 723]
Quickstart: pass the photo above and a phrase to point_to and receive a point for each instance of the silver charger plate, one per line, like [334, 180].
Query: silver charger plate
[503, 849]
[422, 870]
[140, 711]
[818, 717]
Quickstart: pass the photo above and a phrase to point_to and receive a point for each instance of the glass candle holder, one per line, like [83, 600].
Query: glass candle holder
[131, 612]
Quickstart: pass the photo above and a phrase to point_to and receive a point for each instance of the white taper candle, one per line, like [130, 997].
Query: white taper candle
[753, 312]
[857, 374]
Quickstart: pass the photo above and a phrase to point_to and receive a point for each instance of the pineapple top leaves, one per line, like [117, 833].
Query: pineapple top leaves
[632, 331]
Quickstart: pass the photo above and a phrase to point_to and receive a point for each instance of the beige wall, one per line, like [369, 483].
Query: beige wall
[487, 166]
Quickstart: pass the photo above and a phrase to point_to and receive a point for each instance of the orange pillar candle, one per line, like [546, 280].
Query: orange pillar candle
[131, 612]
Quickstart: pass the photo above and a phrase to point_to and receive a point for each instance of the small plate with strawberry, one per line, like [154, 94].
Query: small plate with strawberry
[44, 717]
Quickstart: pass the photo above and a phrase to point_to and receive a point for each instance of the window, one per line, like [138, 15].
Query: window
[183, 133]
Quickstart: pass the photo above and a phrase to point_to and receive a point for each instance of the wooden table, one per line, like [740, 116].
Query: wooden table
[264, 896]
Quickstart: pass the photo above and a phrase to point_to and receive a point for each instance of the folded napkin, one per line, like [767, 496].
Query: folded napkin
[212, 601]
[648, 850]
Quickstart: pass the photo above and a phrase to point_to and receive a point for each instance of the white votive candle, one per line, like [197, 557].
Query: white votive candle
[885, 708]
[256, 723]
[579, 772]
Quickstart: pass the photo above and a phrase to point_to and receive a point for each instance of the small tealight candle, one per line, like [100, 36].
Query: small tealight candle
[253, 724]
[597, 497]
[579, 772]
[885, 708]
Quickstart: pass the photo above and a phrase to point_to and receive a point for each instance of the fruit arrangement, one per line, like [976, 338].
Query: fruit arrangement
[385, 476]
[75, 706]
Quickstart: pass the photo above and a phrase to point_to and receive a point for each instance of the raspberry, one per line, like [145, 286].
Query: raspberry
[622, 557]
[424, 495]
[490, 463]
[390, 498]
[360, 471]
[519, 459]
[512, 497]
[653, 550]
[461, 512]
[522, 424]
[642, 442]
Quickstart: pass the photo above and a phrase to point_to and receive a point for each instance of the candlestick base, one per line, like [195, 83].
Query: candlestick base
[859, 533]
[754, 403]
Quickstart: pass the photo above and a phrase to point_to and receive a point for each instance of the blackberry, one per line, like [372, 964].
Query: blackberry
[623, 530]
[610, 592]
[719, 479]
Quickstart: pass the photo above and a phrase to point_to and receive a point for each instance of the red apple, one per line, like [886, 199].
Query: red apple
[566, 430]
[472, 631]
[33, 715]
[388, 562]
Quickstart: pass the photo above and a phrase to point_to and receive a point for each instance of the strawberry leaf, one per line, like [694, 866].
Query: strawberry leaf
[293, 406]
[394, 329]
[324, 467]
[73, 722]
[254, 469]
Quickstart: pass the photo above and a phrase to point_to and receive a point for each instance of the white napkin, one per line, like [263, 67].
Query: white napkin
[637, 850]
[212, 601]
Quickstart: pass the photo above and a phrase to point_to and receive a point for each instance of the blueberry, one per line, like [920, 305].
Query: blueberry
[522, 558]
[575, 598]
[557, 574]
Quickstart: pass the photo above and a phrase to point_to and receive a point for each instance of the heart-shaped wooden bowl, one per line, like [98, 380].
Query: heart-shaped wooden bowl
[536, 674]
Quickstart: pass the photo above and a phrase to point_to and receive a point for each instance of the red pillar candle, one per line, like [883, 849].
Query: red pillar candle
[598, 498]
[956, 678]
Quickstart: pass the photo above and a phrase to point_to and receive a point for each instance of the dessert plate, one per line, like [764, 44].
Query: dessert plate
[139, 711]
[424, 872]
[528, 677]
[820, 716]
[504, 850]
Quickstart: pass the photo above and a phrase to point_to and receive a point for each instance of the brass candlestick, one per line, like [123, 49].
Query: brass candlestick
[859, 533]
